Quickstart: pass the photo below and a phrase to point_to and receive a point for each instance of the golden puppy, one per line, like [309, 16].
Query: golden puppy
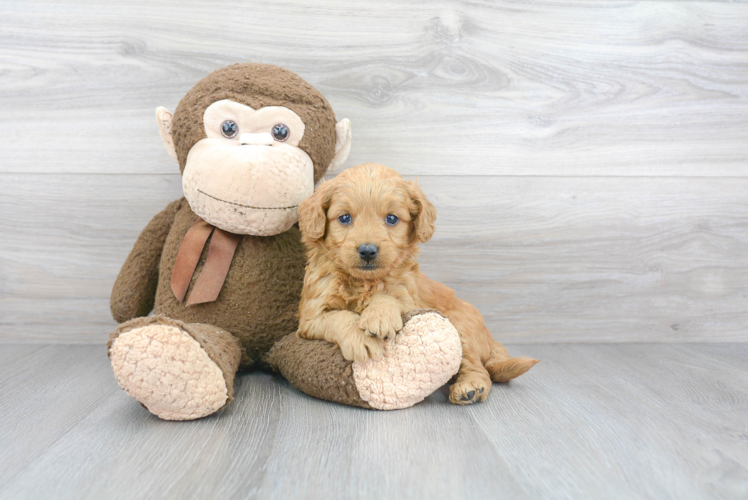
[362, 231]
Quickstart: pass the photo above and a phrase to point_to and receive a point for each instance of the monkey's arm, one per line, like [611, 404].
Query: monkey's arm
[134, 290]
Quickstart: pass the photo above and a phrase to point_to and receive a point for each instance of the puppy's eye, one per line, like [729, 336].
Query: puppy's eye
[280, 132]
[229, 129]
[391, 219]
[345, 219]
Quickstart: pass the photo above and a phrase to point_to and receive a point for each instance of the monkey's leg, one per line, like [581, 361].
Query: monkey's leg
[422, 357]
[178, 371]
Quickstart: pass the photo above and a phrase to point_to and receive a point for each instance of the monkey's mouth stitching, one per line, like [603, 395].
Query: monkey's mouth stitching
[245, 206]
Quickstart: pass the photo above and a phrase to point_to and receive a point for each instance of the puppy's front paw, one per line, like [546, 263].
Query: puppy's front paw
[468, 391]
[356, 345]
[381, 322]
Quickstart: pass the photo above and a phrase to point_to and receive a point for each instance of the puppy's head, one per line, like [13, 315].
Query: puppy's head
[368, 220]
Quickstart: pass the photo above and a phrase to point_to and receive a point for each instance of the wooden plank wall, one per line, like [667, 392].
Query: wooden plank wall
[589, 160]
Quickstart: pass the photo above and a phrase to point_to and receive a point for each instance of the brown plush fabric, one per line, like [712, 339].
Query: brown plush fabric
[259, 299]
[257, 86]
[222, 347]
[258, 302]
[316, 368]
[134, 290]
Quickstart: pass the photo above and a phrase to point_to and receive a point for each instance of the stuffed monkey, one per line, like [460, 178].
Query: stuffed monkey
[222, 268]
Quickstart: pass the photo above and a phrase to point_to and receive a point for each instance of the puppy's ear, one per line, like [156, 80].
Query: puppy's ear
[313, 212]
[423, 215]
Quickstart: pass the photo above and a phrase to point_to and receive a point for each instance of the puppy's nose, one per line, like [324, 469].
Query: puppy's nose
[368, 252]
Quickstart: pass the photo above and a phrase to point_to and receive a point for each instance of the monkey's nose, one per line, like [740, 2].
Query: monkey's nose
[368, 252]
[259, 139]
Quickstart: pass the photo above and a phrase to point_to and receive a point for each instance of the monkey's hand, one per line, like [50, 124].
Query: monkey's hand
[134, 291]
[381, 319]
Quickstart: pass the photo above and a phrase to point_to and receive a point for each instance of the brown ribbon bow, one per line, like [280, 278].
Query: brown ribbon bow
[220, 253]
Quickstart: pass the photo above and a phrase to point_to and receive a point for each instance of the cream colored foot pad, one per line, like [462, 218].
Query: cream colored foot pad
[420, 359]
[167, 371]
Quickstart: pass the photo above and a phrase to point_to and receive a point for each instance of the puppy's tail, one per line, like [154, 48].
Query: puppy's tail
[503, 367]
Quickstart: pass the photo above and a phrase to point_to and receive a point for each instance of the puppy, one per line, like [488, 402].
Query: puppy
[362, 231]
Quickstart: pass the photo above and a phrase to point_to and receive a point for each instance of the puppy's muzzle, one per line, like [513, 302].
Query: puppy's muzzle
[368, 252]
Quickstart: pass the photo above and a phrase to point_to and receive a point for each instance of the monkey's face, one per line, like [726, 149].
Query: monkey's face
[249, 175]
[251, 141]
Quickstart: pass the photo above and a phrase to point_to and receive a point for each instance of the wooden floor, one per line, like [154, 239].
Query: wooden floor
[609, 421]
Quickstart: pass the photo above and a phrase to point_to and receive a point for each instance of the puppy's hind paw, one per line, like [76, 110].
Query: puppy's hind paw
[469, 391]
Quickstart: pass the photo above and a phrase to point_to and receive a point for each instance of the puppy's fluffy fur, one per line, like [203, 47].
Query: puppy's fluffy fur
[358, 304]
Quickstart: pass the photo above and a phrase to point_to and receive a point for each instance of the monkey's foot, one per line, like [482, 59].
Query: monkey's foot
[167, 366]
[422, 357]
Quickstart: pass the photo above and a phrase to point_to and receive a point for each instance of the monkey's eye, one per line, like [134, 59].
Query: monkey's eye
[391, 220]
[345, 219]
[229, 129]
[280, 132]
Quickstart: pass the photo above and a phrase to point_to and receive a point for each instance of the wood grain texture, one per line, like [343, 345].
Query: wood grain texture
[41, 384]
[590, 421]
[545, 259]
[512, 87]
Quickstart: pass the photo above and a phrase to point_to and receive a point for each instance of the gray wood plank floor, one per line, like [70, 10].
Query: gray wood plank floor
[607, 421]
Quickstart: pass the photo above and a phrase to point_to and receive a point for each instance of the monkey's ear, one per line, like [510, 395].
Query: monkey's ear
[163, 118]
[424, 214]
[342, 143]
[313, 212]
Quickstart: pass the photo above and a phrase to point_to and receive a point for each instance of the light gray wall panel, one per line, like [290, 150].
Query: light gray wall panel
[553, 259]
[510, 87]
